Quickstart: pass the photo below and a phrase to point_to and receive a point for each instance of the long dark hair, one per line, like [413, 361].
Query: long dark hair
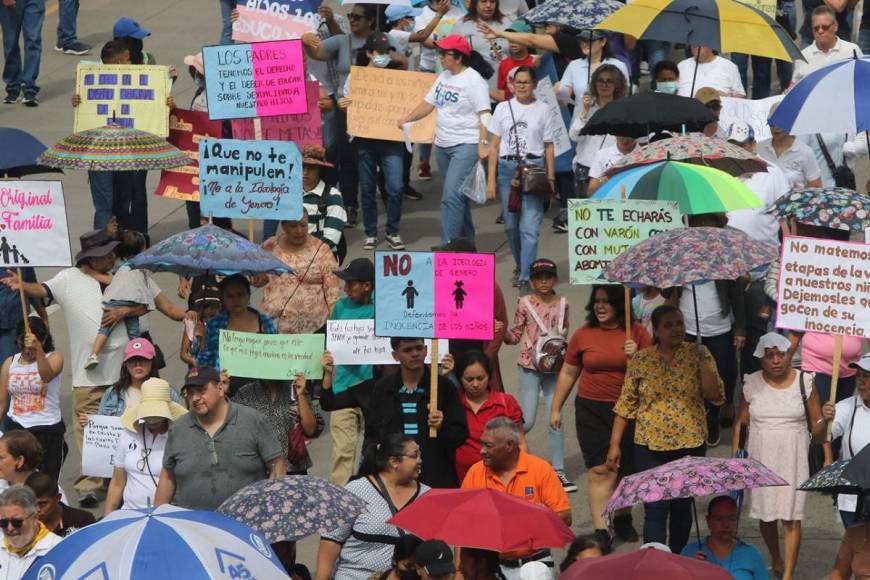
[125, 380]
[473, 357]
[620, 88]
[472, 14]
[37, 327]
[615, 297]
[136, 48]
[376, 458]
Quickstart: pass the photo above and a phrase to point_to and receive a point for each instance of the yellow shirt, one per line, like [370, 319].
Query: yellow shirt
[665, 398]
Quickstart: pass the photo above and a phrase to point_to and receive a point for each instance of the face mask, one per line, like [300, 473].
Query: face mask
[407, 575]
[153, 421]
[669, 87]
[381, 60]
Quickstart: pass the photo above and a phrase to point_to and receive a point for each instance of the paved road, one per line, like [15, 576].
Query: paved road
[180, 28]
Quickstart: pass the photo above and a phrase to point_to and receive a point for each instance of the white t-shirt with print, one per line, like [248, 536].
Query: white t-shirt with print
[603, 159]
[534, 126]
[129, 456]
[428, 56]
[459, 100]
[720, 74]
[798, 162]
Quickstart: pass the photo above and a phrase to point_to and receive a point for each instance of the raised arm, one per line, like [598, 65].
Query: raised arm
[530, 39]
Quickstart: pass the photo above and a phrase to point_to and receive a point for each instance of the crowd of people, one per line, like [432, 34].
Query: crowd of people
[656, 381]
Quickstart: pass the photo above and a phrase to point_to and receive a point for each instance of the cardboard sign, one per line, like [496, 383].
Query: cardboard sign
[303, 129]
[262, 20]
[271, 356]
[33, 228]
[601, 229]
[824, 286]
[126, 95]
[435, 295]
[353, 342]
[250, 179]
[544, 93]
[186, 130]
[255, 80]
[755, 113]
[381, 97]
[98, 446]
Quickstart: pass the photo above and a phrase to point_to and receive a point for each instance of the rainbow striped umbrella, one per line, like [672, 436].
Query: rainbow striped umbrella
[696, 188]
[113, 148]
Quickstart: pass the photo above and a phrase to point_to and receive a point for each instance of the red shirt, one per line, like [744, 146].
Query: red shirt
[497, 405]
[600, 353]
[506, 68]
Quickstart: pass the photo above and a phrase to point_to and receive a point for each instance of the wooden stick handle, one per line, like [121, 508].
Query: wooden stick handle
[23, 298]
[433, 385]
[627, 313]
[835, 376]
[258, 135]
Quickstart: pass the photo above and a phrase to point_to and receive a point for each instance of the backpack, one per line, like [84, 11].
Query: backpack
[550, 348]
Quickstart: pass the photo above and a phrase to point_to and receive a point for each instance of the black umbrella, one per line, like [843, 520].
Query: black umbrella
[647, 112]
[858, 470]
[19, 152]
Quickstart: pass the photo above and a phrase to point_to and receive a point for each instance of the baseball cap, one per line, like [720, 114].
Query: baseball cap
[359, 270]
[519, 25]
[396, 12]
[435, 557]
[542, 266]
[126, 26]
[201, 376]
[139, 347]
[707, 95]
[741, 133]
[455, 42]
[378, 42]
[862, 363]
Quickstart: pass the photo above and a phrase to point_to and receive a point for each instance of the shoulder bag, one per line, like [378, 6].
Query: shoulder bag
[815, 455]
[843, 176]
[549, 350]
[532, 178]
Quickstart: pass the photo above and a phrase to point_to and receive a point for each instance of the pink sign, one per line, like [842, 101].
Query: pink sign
[464, 295]
[256, 25]
[304, 129]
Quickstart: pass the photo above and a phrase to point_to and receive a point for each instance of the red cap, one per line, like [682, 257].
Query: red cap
[455, 42]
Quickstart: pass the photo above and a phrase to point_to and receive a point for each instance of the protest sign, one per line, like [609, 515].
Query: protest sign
[766, 6]
[435, 295]
[186, 130]
[824, 286]
[33, 228]
[353, 342]
[126, 95]
[255, 80]
[381, 97]
[250, 179]
[601, 229]
[544, 93]
[755, 113]
[547, 69]
[261, 20]
[303, 129]
[98, 446]
[271, 356]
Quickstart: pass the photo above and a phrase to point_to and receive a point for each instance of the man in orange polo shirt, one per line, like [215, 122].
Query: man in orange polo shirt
[505, 467]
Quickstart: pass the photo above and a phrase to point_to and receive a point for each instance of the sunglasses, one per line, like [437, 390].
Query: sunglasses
[822, 27]
[16, 522]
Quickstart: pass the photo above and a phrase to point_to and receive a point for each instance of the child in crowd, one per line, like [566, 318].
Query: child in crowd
[643, 304]
[518, 55]
[205, 303]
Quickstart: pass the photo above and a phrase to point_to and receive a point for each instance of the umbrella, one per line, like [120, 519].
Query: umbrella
[292, 507]
[113, 148]
[484, 519]
[696, 188]
[829, 207]
[831, 479]
[697, 149]
[644, 565]
[166, 542]
[19, 153]
[208, 249]
[647, 112]
[576, 14]
[858, 469]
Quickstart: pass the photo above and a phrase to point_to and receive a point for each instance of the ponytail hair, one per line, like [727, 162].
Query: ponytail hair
[376, 459]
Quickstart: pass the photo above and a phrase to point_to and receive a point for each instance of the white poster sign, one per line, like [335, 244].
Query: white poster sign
[748, 111]
[545, 93]
[33, 228]
[101, 436]
[353, 342]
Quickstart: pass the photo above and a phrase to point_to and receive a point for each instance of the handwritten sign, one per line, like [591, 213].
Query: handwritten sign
[261, 20]
[381, 97]
[353, 342]
[186, 130]
[599, 230]
[754, 113]
[98, 446]
[250, 179]
[33, 227]
[766, 6]
[303, 129]
[127, 95]
[271, 356]
[435, 295]
[824, 286]
[544, 93]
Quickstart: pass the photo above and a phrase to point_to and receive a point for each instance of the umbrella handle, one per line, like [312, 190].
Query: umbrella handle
[697, 526]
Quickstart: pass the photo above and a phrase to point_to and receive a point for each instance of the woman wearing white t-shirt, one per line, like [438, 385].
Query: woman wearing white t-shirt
[793, 157]
[521, 131]
[30, 384]
[575, 80]
[138, 454]
[493, 50]
[462, 98]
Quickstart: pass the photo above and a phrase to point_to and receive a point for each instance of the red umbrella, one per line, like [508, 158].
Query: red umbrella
[646, 564]
[483, 518]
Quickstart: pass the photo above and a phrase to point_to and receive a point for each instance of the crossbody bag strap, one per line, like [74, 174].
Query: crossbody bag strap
[804, 399]
[534, 314]
[852, 425]
[826, 153]
[563, 304]
[516, 131]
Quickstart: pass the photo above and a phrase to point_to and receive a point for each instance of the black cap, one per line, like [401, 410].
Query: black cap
[542, 266]
[378, 42]
[201, 376]
[359, 270]
[435, 557]
[95, 244]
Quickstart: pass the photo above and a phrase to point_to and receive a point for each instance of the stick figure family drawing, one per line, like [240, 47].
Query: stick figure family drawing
[6, 251]
[459, 293]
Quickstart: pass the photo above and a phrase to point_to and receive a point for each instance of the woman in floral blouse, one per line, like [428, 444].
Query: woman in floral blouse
[664, 393]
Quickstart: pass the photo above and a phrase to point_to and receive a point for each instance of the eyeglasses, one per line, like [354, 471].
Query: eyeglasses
[16, 522]
[605, 81]
[416, 455]
[354, 17]
[822, 27]
[143, 459]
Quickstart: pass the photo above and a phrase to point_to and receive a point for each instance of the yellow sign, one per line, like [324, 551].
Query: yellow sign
[381, 97]
[127, 95]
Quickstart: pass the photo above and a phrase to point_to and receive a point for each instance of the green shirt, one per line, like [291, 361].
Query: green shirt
[347, 376]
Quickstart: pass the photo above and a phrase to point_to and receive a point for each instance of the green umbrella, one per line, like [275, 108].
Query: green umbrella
[696, 188]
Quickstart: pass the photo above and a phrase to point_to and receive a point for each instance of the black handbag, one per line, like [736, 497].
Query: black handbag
[815, 455]
[843, 176]
[532, 178]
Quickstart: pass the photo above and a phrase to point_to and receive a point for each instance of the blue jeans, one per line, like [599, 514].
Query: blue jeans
[454, 164]
[388, 154]
[522, 228]
[227, 26]
[760, 74]
[131, 322]
[531, 384]
[8, 344]
[656, 51]
[68, 13]
[722, 349]
[101, 194]
[26, 18]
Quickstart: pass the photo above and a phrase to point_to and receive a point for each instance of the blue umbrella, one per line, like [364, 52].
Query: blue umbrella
[166, 542]
[19, 152]
[208, 250]
[578, 14]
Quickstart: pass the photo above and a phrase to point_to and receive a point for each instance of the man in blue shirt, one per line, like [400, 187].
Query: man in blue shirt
[723, 548]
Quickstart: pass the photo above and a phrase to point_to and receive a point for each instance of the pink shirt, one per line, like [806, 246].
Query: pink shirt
[817, 353]
[525, 330]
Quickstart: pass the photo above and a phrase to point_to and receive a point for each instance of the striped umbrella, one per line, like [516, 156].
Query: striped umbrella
[113, 148]
[696, 188]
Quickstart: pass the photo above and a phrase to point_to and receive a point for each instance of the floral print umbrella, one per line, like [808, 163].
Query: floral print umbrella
[577, 14]
[831, 480]
[830, 207]
[293, 507]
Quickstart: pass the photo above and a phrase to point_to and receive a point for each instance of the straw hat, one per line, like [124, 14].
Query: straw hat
[155, 402]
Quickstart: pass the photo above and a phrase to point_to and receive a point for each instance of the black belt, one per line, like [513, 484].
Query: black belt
[518, 563]
[515, 158]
